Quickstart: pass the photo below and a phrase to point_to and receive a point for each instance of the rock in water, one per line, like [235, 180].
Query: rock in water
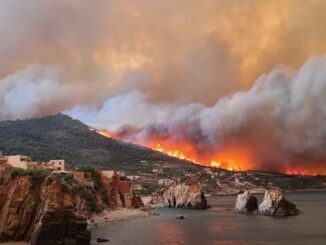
[180, 217]
[246, 203]
[275, 204]
[188, 194]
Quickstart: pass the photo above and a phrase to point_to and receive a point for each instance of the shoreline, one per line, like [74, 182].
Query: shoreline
[262, 192]
[117, 215]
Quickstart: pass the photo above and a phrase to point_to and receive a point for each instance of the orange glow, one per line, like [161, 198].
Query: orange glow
[107, 134]
[232, 158]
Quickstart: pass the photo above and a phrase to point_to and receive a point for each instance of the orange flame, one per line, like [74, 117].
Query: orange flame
[233, 157]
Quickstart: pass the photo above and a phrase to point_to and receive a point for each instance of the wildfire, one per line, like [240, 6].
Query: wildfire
[232, 157]
[107, 134]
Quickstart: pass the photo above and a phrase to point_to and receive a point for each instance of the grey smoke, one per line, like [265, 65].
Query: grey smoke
[282, 117]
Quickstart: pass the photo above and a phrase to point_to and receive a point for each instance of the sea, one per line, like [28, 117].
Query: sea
[220, 225]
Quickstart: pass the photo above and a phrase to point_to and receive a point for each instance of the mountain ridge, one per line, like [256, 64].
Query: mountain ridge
[59, 136]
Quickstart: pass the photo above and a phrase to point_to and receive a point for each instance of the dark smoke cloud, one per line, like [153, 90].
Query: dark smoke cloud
[172, 60]
[282, 117]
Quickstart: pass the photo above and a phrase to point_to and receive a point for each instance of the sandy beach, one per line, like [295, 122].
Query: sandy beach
[121, 214]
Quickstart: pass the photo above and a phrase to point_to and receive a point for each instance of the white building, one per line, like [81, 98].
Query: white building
[165, 182]
[108, 173]
[19, 161]
[58, 165]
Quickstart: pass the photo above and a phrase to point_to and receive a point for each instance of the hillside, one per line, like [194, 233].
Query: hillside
[61, 137]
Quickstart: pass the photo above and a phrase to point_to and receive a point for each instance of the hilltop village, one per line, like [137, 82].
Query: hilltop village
[115, 184]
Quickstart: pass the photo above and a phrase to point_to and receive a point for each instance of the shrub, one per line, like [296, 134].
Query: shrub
[18, 172]
[35, 174]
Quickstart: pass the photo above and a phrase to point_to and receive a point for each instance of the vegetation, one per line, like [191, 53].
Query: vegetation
[61, 137]
[98, 187]
[36, 174]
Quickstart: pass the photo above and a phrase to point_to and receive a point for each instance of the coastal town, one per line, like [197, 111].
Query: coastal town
[86, 197]
[115, 183]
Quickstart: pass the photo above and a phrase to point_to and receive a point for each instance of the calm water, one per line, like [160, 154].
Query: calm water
[219, 225]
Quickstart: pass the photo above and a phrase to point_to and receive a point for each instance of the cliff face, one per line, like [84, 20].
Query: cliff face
[187, 194]
[42, 212]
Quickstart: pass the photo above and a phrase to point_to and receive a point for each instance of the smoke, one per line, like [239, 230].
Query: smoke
[281, 118]
[185, 51]
[173, 69]
[31, 91]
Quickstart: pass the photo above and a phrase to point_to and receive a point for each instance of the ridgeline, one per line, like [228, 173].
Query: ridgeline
[61, 137]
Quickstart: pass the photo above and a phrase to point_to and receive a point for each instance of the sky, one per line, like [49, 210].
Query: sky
[215, 74]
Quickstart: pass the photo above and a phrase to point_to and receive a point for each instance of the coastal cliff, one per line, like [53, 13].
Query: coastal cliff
[188, 194]
[43, 211]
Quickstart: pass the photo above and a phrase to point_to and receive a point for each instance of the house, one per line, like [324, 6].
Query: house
[19, 161]
[158, 170]
[137, 187]
[83, 178]
[108, 173]
[58, 165]
[133, 177]
[117, 187]
[165, 182]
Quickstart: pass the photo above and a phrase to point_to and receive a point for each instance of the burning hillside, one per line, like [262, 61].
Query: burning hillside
[238, 90]
[276, 125]
[232, 158]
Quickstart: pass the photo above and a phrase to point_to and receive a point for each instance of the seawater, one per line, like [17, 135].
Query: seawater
[220, 225]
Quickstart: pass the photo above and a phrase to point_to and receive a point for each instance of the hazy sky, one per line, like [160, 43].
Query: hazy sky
[160, 56]
[176, 50]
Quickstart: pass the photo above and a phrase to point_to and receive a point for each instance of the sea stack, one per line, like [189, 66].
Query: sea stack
[246, 203]
[188, 194]
[274, 204]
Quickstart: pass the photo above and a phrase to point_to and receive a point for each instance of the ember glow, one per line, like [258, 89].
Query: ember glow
[231, 158]
[234, 159]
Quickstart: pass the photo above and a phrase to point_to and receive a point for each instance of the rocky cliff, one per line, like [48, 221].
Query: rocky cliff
[188, 194]
[42, 212]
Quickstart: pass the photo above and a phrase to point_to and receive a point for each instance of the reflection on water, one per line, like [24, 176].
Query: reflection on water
[169, 233]
[221, 226]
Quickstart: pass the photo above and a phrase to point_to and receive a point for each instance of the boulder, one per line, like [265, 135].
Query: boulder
[246, 203]
[274, 204]
[188, 194]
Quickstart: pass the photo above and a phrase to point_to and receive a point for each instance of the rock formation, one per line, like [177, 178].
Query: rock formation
[188, 194]
[275, 204]
[246, 203]
[42, 212]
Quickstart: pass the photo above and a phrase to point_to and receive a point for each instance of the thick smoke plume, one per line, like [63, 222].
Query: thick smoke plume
[172, 69]
[280, 121]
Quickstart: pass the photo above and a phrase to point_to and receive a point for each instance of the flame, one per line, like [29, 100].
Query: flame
[233, 157]
[107, 134]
